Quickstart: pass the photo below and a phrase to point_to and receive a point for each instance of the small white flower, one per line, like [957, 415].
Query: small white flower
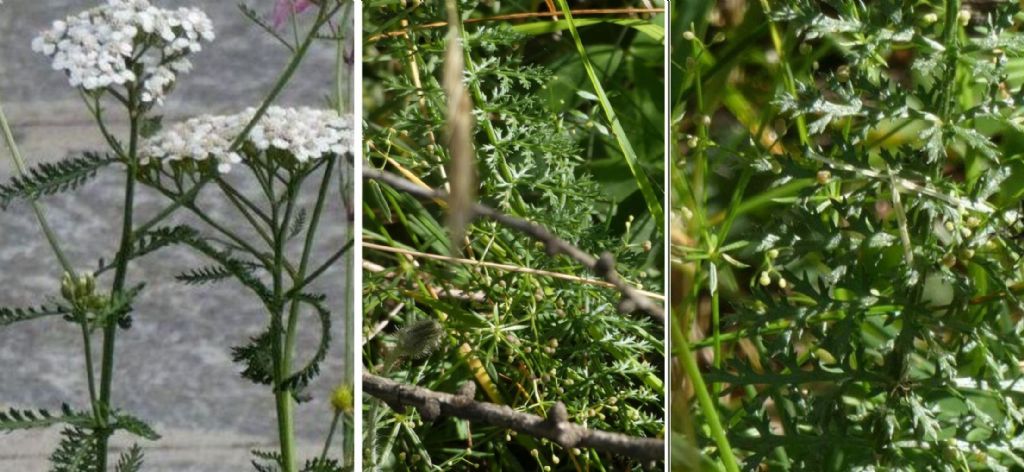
[304, 133]
[98, 48]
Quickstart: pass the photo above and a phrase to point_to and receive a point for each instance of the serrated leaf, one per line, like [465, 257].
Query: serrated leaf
[301, 378]
[10, 316]
[133, 425]
[53, 177]
[76, 452]
[130, 461]
[257, 357]
[13, 419]
[203, 275]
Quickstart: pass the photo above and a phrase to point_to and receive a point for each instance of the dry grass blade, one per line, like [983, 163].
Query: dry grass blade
[462, 165]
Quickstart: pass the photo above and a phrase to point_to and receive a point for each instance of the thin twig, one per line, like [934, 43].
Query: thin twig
[556, 427]
[505, 267]
[603, 266]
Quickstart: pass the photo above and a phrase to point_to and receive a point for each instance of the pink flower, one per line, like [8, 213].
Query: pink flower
[285, 8]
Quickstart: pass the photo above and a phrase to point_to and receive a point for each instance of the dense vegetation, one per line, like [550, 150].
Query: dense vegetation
[847, 185]
[546, 150]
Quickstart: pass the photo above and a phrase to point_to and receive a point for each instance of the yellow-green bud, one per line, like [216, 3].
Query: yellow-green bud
[342, 399]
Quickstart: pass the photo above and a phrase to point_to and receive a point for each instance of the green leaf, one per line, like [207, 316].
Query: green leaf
[76, 452]
[52, 177]
[300, 379]
[133, 425]
[274, 458]
[639, 175]
[203, 275]
[130, 461]
[13, 315]
[655, 31]
[322, 465]
[298, 224]
[154, 240]
[257, 357]
[12, 420]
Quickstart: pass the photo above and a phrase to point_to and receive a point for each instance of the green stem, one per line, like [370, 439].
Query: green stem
[949, 40]
[343, 101]
[307, 251]
[717, 333]
[707, 405]
[282, 396]
[51, 238]
[787, 71]
[640, 176]
[330, 435]
[19, 165]
[120, 276]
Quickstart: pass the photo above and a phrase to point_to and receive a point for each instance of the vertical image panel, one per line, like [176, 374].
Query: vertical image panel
[176, 187]
[513, 261]
[845, 236]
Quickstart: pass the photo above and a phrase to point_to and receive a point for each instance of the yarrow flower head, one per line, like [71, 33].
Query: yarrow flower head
[126, 42]
[302, 133]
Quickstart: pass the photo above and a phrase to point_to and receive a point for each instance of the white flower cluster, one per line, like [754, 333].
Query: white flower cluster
[98, 47]
[304, 133]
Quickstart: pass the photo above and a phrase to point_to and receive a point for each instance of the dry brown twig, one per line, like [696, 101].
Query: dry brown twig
[556, 427]
[603, 266]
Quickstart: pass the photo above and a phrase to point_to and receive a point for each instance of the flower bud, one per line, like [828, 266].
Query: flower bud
[964, 17]
[342, 400]
[930, 18]
[823, 177]
[688, 35]
[67, 287]
[765, 279]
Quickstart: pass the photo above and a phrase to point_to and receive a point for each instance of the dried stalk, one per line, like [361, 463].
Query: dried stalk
[556, 427]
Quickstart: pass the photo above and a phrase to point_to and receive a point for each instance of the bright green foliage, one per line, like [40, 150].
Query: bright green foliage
[544, 152]
[873, 264]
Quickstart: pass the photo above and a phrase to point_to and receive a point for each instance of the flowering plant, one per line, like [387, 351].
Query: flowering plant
[129, 53]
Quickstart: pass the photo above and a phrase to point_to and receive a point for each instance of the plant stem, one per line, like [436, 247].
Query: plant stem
[639, 175]
[330, 434]
[949, 40]
[787, 72]
[51, 239]
[19, 165]
[707, 405]
[120, 274]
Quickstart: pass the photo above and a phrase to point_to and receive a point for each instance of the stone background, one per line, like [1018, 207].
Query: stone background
[173, 367]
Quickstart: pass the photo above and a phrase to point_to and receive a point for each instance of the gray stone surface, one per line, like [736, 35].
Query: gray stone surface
[173, 367]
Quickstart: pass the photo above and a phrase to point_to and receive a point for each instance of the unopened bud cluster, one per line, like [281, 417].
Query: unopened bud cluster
[80, 291]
